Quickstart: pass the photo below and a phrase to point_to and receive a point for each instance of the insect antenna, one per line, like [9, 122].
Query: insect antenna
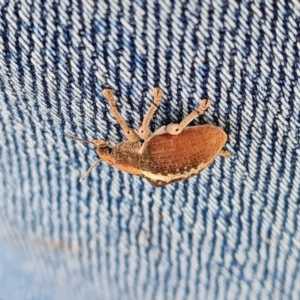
[97, 162]
[74, 138]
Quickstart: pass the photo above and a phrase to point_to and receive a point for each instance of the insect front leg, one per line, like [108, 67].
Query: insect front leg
[128, 132]
[176, 129]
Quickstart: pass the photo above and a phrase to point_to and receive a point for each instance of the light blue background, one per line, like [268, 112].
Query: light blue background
[231, 232]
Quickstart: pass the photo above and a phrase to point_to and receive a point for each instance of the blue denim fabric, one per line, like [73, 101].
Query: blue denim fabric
[231, 232]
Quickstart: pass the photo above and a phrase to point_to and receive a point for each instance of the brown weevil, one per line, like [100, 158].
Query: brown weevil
[172, 153]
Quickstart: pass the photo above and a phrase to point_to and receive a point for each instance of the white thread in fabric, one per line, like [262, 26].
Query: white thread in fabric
[230, 233]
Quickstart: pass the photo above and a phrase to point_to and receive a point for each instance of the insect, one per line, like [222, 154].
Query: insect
[172, 153]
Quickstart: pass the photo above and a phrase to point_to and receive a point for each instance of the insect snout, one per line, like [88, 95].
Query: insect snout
[101, 144]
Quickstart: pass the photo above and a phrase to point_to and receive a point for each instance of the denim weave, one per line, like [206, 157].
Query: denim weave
[231, 232]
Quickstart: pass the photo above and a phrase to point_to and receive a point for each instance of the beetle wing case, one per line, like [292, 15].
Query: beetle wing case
[170, 158]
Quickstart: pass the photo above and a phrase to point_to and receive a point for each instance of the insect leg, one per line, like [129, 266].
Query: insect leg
[128, 132]
[144, 131]
[175, 129]
[224, 153]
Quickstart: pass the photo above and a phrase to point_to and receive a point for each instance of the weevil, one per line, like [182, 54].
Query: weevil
[172, 153]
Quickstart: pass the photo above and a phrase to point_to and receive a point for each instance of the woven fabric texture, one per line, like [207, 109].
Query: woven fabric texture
[231, 232]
